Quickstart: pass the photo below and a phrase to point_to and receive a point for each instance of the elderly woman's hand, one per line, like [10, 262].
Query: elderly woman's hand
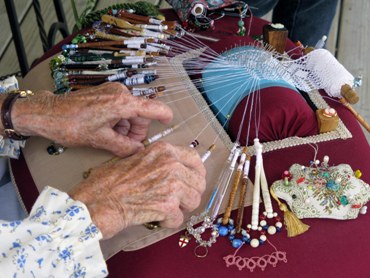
[157, 184]
[105, 117]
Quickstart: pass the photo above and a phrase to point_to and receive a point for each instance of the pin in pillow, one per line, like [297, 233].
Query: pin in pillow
[321, 191]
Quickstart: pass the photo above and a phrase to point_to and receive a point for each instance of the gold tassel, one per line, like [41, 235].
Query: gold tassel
[293, 224]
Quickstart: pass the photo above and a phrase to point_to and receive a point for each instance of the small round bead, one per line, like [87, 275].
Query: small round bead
[51, 150]
[326, 159]
[236, 243]
[263, 223]
[254, 243]
[259, 228]
[363, 210]
[263, 237]
[215, 233]
[358, 174]
[278, 224]
[271, 230]
[223, 231]
[244, 233]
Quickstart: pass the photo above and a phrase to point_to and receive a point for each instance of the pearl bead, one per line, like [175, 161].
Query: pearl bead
[363, 210]
[317, 162]
[263, 237]
[279, 224]
[307, 201]
[254, 243]
[263, 223]
[215, 233]
[338, 180]
[326, 159]
[271, 230]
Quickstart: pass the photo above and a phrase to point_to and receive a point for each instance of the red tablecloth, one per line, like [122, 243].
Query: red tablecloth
[330, 248]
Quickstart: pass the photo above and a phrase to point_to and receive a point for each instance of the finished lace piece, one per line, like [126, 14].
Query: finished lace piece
[256, 262]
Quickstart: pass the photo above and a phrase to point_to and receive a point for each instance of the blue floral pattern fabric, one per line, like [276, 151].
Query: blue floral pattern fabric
[57, 239]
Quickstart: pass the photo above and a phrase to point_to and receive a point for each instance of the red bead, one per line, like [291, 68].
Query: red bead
[301, 179]
[356, 206]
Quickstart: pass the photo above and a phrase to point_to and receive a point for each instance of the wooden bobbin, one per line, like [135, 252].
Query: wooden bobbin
[275, 35]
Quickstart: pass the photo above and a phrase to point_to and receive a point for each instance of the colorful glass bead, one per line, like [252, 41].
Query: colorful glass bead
[343, 200]
[223, 231]
[236, 243]
[358, 174]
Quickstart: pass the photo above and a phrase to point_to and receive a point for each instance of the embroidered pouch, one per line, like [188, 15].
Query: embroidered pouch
[323, 192]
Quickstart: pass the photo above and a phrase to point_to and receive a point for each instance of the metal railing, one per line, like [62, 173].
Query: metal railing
[47, 38]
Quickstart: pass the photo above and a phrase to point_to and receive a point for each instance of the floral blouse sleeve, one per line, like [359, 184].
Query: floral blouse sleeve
[57, 239]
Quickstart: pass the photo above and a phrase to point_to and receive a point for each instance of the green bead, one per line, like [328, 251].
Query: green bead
[343, 200]
[240, 23]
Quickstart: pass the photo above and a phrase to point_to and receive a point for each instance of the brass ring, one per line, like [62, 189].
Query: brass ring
[199, 255]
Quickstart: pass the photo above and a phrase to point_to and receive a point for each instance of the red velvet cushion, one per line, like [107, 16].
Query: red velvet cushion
[284, 113]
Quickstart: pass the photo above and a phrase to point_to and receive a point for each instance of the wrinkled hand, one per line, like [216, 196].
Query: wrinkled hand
[157, 184]
[106, 117]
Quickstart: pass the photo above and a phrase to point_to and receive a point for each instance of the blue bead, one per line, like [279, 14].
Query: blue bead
[231, 237]
[245, 239]
[265, 227]
[223, 231]
[248, 240]
[236, 243]
[261, 242]
[230, 227]
[278, 229]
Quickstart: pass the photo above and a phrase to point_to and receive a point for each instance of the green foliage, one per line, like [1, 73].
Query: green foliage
[88, 16]
[89, 7]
